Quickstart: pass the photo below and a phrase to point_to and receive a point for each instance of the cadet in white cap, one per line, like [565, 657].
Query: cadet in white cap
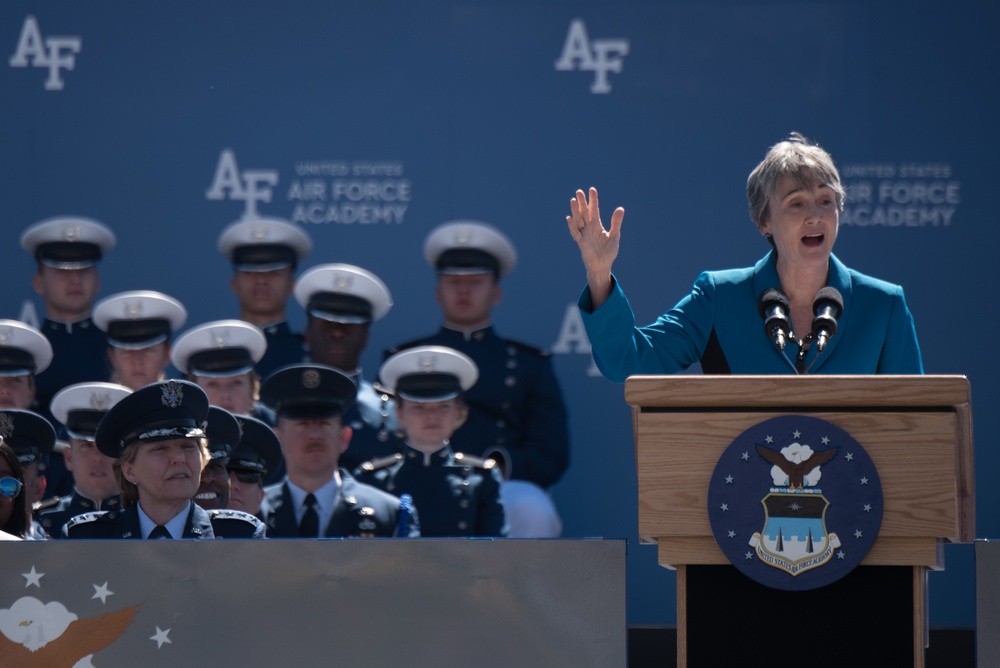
[79, 408]
[264, 253]
[24, 353]
[158, 439]
[138, 325]
[220, 356]
[516, 412]
[342, 301]
[67, 251]
[458, 494]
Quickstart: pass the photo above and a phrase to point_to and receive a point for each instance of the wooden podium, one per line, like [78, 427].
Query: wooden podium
[916, 429]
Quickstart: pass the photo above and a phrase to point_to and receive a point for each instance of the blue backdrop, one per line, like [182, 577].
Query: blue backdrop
[371, 123]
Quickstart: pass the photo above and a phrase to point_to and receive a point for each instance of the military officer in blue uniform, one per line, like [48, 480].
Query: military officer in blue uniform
[67, 251]
[157, 437]
[516, 411]
[264, 253]
[317, 498]
[256, 455]
[139, 325]
[223, 433]
[342, 301]
[79, 408]
[32, 439]
[458, 494]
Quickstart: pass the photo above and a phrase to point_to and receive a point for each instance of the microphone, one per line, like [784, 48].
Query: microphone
[827, 307]
[772, 304]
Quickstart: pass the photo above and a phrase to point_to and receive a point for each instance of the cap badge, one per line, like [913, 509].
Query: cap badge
[133, 310]
[310, 379]
[6, 425]
[342, 281]
[259, 233]
[462, 238]
[100, 402]
[6, 336]
[220, 337]
[173, 394]
[427, 363]
[71, 232]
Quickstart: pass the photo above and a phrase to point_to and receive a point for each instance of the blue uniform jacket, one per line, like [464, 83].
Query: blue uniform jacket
[284, 347]
[516, 409]
[200, 524]
[361, 510]
[718, 324]
[52, 519]
[457, 495]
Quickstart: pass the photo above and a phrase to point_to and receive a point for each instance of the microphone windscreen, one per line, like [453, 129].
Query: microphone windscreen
[772, 297]
[829, 298]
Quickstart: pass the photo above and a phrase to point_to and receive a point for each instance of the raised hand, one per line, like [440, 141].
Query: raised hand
[598, 246]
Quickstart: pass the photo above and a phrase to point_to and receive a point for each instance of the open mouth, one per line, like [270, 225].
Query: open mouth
[206, 496]
[813, 239]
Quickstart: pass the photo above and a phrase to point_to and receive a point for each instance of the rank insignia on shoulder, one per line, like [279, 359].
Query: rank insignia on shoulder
[85, 518]
[472, 460]
[381, 463]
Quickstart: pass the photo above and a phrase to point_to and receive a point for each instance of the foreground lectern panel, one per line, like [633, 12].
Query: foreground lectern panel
[916, 429]
[372, 602]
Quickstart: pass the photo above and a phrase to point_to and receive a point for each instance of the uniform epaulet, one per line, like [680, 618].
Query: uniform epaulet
[85, 518]
[256, 528]
[472, 460]
[526, 348]
[380, 463]
[48, 503]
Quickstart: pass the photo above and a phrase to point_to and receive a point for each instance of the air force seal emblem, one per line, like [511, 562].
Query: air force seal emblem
[795, 503]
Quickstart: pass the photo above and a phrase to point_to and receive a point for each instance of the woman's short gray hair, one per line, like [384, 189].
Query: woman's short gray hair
[795, 157]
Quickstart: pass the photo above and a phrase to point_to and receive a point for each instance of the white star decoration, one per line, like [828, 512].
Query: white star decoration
[160, 637]
[745, 456]
[33, 578]
[849, 456]
[840, 554]
[748, 555]
[729, 480]
[796, 434]
[725, 507]
[864, 481]
[857, 533]
[768, 439]
[732, 534]
[795, 507]
[825, 440]
[102, 593]
[868, 507]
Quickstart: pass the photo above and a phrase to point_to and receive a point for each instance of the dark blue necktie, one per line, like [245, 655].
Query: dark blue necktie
[309, 526]
[159, 532]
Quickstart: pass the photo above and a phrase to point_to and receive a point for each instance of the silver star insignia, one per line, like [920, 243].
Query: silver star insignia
[857, 533]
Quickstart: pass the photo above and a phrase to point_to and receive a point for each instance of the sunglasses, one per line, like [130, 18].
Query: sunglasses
[10, 487]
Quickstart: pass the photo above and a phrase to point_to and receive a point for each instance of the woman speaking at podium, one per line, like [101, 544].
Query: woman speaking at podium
[797, 310]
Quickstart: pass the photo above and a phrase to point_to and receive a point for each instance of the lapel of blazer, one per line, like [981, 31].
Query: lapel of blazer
[839, 278]
[127, 525]
[198, 524]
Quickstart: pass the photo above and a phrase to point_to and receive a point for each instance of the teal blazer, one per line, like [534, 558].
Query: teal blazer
[718, 325]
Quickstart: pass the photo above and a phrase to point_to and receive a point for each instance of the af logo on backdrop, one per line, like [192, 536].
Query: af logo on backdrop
[250, 185]
[56, 53]
[599, 56]
[795, 503]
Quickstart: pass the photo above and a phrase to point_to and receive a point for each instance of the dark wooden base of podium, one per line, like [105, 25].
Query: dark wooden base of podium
[863, 619]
